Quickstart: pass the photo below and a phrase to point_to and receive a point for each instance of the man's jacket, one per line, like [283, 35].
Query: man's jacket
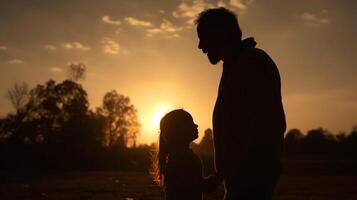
[248, 118]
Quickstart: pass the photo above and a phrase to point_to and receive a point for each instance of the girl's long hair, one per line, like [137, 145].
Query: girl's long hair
[159, 158]
[168, 125]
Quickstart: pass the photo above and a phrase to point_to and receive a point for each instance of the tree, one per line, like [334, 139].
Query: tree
[318, 136]
[122, 126]
[50, 109]
[18, 96]
[351, 142]
[206, 144]
[292, 142]
[293, 136]
[56, 129]
[76, 71]
[72, 99]
[319, 141]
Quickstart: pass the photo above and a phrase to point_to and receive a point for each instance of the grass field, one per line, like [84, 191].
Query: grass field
[133, 186]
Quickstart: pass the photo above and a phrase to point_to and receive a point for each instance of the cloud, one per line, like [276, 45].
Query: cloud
[315, 18]
[75, 45]
[50, 47]
[3, 48]
[110, 46]
[16, 61]
[240, 5]
[113, 47]
[136, 22]
[176, 35]
[221, 3]
[191, 10]
[56, 69]
[106, 19]
[165, 27]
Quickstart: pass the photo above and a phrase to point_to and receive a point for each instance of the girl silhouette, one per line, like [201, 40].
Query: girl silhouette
[178, 168]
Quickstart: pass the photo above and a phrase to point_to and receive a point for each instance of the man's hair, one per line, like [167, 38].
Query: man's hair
[221, 19]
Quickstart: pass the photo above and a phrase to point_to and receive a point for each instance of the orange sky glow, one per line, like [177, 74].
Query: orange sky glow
[147, 50]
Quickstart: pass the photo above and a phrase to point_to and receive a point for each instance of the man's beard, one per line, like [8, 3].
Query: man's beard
[213, 59]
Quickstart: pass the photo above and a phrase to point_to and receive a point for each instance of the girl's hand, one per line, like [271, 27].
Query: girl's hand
[211, 182]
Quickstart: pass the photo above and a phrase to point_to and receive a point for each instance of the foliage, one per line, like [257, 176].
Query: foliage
[122, 126]
[56, 129]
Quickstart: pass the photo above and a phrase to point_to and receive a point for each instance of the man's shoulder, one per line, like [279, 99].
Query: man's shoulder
[257, 62]
[254, 54]
[259, 58]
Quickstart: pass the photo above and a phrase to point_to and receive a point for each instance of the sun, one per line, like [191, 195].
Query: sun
[150, 120]
[158, 113]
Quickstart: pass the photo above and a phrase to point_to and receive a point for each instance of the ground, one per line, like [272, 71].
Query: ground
[138, 186]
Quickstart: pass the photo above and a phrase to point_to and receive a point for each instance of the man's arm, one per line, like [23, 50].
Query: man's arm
[266, 113]
[259, 99]
[264, 92]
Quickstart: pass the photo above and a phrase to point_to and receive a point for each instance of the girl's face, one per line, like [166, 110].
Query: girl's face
[189, 129]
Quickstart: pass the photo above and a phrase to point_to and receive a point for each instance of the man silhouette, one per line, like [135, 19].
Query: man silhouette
[248, 118]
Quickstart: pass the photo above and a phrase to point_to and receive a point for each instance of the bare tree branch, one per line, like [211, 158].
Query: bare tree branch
[76, 72]
[18, 95]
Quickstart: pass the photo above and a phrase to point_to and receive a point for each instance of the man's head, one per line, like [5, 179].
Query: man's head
[216, 28]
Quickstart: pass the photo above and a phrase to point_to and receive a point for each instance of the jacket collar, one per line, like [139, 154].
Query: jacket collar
[237, 48]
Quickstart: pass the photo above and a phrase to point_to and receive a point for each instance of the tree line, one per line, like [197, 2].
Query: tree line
[317, 151]
[54, 128]
[317, 143]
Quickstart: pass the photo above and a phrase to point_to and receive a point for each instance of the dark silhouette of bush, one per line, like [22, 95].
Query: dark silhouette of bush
[320, 144]
[55, 129]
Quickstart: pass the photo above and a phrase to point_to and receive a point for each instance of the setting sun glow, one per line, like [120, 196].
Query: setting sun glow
[148, 51]
[159, 112]
[150, 121]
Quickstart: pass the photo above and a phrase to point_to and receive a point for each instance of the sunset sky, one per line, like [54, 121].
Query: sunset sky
[148, 51]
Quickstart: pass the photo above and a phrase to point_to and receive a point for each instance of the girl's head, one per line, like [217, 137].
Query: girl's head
[177, 131]
[177, 128]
